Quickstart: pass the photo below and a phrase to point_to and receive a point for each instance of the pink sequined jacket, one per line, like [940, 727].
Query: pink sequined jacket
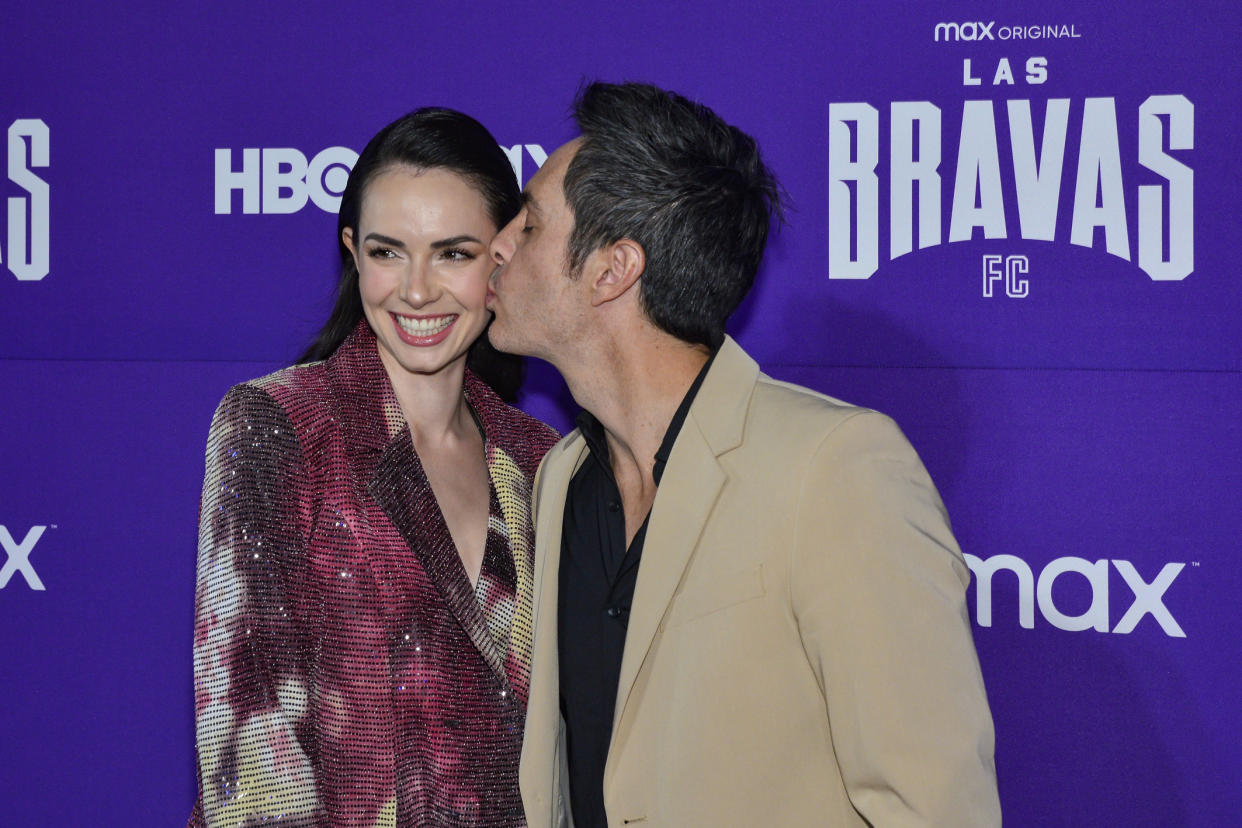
[346, 673]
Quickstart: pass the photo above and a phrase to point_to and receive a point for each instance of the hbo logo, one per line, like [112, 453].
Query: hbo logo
[282, 180]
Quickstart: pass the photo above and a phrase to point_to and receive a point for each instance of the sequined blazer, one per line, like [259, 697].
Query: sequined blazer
[345, 671]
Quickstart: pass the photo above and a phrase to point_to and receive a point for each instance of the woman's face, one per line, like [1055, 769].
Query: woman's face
[423, 266]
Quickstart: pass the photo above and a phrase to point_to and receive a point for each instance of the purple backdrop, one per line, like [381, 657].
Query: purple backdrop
[1060, 342]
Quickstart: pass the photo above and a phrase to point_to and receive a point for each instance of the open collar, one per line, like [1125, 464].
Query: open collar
[386, 468]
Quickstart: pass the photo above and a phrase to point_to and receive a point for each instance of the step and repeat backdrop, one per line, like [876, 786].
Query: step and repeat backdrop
[1014, 227]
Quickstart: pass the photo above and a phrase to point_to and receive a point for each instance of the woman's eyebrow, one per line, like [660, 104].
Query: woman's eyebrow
[453, 242]
[382, 239]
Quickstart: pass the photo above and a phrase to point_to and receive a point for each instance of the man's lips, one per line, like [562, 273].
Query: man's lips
[492, 293]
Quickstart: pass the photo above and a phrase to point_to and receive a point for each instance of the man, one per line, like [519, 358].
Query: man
[749, 607]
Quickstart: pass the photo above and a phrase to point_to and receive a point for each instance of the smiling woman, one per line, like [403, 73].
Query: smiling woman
[429, 140]
[363, 618]
[422, 266]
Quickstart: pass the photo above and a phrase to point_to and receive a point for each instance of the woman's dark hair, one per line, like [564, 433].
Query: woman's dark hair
[428, 138]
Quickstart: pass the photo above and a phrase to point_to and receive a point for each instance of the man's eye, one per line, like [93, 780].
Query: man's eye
[527, 228]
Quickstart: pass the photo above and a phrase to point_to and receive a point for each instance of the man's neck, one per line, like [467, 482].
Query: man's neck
[634, 389]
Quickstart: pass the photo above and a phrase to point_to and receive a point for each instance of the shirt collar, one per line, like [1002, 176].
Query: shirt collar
[593, 431]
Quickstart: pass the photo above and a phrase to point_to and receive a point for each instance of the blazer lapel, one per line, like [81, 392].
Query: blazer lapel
[682, 508]
[400, 487]
[543, 713]
[385, 466]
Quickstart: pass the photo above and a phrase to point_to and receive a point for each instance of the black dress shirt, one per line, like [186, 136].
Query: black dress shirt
[597, 578]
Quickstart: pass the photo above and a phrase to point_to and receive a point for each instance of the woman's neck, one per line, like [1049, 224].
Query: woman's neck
[433, 405]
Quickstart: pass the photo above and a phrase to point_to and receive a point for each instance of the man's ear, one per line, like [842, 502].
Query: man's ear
[617, 269]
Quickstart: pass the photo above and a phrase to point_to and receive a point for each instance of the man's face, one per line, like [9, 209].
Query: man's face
[538, 308]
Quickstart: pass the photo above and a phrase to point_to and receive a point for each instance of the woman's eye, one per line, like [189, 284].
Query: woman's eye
[456, 254]
[381, 253]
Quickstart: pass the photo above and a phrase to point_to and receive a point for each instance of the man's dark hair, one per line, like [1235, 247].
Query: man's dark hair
[669, 174]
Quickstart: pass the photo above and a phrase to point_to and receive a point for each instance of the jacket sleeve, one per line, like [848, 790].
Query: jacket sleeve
[878, 589]
[250, 626]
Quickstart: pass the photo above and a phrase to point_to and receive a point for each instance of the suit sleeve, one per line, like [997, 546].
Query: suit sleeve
[251, 608]
[878, 588]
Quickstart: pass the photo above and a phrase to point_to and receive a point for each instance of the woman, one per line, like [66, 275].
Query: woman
[362, 633]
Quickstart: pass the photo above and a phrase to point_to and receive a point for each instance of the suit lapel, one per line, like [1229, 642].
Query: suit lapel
[543, 714]
[683, 506]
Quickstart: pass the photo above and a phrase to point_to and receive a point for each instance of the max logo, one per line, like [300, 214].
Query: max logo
[18, 559]
[971, 30]
[1148, 597]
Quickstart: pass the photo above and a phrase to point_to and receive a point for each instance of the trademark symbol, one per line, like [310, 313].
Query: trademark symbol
[54, 526]
[1194, 563]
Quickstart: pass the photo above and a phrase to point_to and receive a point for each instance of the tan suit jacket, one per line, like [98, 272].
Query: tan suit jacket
[798, 650]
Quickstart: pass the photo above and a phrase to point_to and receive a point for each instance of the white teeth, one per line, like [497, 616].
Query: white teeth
[425, 327]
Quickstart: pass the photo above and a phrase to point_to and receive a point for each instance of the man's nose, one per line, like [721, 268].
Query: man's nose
[502, 245]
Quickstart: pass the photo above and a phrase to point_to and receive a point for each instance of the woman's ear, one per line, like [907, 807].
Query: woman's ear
[347, 238]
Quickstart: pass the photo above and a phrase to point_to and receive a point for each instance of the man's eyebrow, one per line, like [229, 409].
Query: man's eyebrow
[453, 242]
[382, 239]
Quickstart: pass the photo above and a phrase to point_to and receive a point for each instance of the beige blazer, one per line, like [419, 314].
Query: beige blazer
[798, 651]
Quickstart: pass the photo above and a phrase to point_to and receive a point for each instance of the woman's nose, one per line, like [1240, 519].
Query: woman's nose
[421, 287]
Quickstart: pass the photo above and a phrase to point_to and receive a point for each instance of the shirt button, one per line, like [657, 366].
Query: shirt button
[614, 506]
[613, 612]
